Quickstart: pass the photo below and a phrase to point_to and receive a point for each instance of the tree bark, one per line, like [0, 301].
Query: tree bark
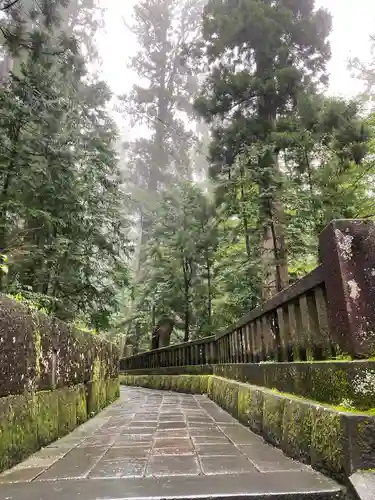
[244, 217]
[209, 291]
[274, 253]
[187, 282]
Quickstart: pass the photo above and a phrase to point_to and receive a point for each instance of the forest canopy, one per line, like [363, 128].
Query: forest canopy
[244, 157]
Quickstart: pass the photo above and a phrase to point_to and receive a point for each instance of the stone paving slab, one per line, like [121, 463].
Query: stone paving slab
[277, 486]
[160, 444]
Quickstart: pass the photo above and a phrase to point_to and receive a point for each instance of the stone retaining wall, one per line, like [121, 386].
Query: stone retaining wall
[52, 378]
[339, 383]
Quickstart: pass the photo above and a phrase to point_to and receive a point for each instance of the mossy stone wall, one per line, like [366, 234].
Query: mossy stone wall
[52, 378]
[47, 353]
[32, 420]
[340, 383]
[169, 370]
[333, 441]
[191, 384]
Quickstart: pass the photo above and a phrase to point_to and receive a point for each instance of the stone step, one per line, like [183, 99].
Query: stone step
[363, 483]
[293, 485]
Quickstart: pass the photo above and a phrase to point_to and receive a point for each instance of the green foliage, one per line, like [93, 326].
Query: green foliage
[178, 267]
[4, 264]
[62, 221]
[285, 160]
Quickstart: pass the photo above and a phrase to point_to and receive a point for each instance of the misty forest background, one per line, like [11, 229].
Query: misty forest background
[217, 205]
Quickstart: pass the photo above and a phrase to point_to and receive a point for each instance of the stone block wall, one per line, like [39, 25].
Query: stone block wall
[52, 378]
[345, 384]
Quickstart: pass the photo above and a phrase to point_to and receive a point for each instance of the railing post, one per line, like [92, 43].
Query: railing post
[347, 250]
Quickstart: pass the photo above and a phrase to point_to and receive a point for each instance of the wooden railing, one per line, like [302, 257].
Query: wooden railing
[293, 325]
[327, 313]
[197, 352]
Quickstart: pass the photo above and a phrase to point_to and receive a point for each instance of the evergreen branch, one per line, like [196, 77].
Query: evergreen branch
[9, 5]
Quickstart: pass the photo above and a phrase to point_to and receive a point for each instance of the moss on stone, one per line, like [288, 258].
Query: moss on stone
[191, 384]
[328, 442]
[112, 390]
[361, 430]
[96, 396]
[81, 405]
[331, 385]
[169, 370]
[250, 407]
[335, 382]
[297, 429]
[31, 421]
[67, 409]
[38, 352]
[338, 408]
[273, 411]
[225, 393]
[204, 382]
[47, 414]
[19, 429]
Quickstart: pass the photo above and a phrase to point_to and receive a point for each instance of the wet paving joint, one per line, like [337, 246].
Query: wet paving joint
[150, 437]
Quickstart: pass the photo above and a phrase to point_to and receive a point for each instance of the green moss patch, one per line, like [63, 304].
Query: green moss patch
[112, 390]
[297, 428]
[29, 422]
[250, 407]
[225, 393]
[191, 384]
[47, 353]
[169, 370]
[344, 383]
[47, 415]
[329, 444]
[273, 411]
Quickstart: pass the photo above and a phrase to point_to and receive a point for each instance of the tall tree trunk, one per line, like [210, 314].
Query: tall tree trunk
[209, 291]
[159, 158]
[244, 216]
[274, 255]
[187, 278]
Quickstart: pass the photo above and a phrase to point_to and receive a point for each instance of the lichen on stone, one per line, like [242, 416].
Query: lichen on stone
[364, 384]
[354, 289]
[344, 242]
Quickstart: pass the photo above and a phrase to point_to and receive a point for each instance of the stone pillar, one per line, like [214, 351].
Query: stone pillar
[347, 250]
[162, 333]
[128, 351]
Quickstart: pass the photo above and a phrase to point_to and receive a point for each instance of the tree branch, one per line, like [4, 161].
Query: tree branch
[9, 5]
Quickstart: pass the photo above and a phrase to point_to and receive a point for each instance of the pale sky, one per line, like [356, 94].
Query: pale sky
[353, 22]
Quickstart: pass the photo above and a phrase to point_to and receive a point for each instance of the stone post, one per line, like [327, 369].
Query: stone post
[347, 251]
[128, 351]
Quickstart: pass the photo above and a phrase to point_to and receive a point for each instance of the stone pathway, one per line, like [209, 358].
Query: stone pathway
[160, 445]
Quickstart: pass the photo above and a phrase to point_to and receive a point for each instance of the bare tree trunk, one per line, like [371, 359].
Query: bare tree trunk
[187, 282]
[274, 256]
[244, 216]
[209, 291]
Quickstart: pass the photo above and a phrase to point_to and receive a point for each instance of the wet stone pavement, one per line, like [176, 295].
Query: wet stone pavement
[160, 444]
